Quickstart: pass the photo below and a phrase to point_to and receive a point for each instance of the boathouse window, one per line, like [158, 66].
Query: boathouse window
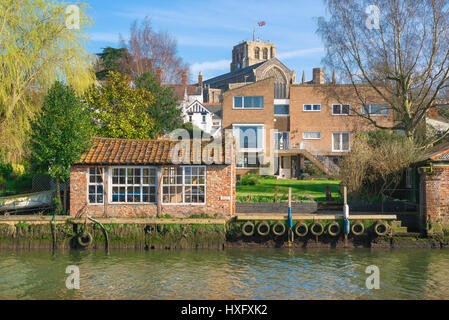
[95, 185]
[184, 185]
[134, 185]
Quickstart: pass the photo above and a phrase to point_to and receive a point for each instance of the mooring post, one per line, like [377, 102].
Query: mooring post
[290, 220]
[346, 214]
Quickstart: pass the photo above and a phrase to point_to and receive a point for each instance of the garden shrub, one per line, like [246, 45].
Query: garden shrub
[249, 180]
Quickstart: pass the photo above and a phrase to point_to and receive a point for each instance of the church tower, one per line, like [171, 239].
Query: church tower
[249, 53]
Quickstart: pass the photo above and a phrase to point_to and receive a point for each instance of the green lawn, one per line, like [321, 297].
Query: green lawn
[300, 188]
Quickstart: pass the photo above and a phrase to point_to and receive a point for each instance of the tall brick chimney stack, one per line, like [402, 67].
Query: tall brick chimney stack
[318, 76]
[200, 80]
[159, 75]
[184, 78]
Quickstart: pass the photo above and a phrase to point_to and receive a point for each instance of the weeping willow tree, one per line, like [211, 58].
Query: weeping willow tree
[40, 42]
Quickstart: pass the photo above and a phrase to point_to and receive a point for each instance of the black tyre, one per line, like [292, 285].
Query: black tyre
[263, 229]
[357, 228]
[278, 229]
[301, 229]
[248, 229]
[381, 228]
[333, 229]
[317, 228]
[85, 239]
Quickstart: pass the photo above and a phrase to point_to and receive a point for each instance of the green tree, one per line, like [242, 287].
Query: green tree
[165, 108]
[120, 109]
[60, 134]
[37, 49]
[112, 59]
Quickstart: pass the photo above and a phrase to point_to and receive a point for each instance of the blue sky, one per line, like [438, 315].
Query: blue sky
[206, 31]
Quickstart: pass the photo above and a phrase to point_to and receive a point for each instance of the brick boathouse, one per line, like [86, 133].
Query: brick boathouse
[139, 178]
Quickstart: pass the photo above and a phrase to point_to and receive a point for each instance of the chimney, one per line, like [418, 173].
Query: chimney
[200, 80]
[184, 78]
[333, 78]
[159, 75]
[318, 76]
[303, 77]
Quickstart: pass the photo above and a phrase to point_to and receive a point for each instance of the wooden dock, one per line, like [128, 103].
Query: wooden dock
[315, 216]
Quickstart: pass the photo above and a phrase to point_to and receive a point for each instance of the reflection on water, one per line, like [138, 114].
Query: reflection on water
[231, 274]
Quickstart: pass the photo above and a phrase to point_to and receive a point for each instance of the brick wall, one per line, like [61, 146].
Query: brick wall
[220, 182]
[435, 195]
[323, 121]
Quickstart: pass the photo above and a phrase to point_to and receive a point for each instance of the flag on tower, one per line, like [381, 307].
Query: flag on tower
[261, 24]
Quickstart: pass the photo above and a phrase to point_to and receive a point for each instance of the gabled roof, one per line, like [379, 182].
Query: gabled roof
[109, 151]
[179, 90]
[439, 153]
[197, 107]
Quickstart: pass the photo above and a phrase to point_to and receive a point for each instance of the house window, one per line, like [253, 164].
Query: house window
[204, 119]
[311, 135]
[95, 185]
[341, 109]
[249, 137]
[184, 185]
[249, 160]
[341, 142]
[281, 110]
[312, 107]
[375, 109]
[255, 102]
[265, 54]
[134, 185]
[190, 118]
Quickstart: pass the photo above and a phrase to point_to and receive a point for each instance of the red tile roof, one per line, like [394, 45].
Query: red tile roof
[108, 151]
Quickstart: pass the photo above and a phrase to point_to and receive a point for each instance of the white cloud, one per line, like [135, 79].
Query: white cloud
[299, 53]
[207, 66]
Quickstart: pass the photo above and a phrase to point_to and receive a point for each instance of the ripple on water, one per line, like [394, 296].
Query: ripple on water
[231, 274]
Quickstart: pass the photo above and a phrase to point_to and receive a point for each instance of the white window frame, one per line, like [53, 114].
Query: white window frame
[126, 185]
[341, 109]
[243, 103]
[183, 186]
[304, 135]
[95, 184]
[249, 150]
[368, 112]
[311, 104]
[341, 141]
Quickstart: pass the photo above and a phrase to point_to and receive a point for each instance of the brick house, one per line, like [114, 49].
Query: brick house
[434, 190]
[279, 124]
[139, 178]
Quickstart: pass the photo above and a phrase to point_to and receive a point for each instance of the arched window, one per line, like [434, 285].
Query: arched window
[265, 54]
[271, 53]
[257, 53]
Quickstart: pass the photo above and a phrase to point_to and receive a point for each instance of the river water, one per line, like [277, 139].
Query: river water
[230, 274]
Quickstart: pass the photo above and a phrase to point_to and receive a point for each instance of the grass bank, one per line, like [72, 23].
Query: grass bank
[301, 189]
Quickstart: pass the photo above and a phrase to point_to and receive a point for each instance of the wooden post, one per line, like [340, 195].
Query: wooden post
[290, 221]
[345, 208]
[159, 191]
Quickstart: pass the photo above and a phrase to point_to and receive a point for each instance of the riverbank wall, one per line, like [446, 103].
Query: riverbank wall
[173, 234]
